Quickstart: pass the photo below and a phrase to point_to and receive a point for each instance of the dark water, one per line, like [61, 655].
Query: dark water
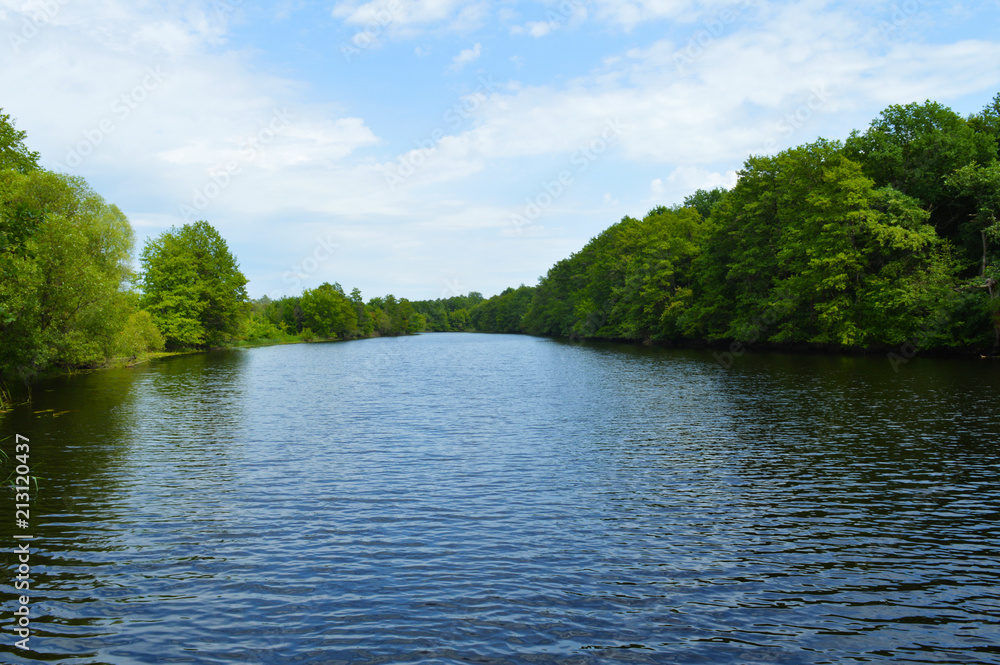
[496, 499]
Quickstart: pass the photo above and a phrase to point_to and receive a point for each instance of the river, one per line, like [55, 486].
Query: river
[460, 498]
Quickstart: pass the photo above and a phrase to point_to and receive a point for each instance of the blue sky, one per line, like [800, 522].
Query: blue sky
[427, 148]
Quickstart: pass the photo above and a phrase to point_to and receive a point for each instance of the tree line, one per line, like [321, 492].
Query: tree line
[71, 299]
[887, 238]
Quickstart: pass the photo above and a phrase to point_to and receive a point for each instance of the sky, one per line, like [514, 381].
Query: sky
[428, 148]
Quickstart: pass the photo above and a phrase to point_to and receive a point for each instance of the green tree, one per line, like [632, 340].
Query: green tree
[913, 148]
[705, 200]
[503, 313]
[192, 286]
[65, 299]
[14, 154]
[981, 186]
[364, 323]
[804, 249]
[987, 121]
[328, 312]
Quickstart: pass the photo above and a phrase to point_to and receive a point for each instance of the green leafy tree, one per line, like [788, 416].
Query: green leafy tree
[192, 286]
[805, 249]
[913, 148]
[286, 314]
[705, 200]
[503, 313]
[328, 312]
[65, 299]
[14, 154]
[987, 121]
[981, 185]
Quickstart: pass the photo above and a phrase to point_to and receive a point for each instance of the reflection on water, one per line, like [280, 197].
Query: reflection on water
[498, 499]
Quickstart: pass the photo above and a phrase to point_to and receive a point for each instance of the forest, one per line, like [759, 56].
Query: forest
[70, 298]
[886, 239]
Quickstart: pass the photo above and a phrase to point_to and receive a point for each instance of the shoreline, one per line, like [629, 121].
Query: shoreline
[724, 351]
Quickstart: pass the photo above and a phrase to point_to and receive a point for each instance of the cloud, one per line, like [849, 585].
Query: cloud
[279, 163]
[466, 56]
[535, 28]
[410, 18]
[795, 75]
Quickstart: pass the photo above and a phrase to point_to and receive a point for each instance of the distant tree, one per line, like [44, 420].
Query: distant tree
[328, 312]
[192, 286]
[363, 322]
[503, 313]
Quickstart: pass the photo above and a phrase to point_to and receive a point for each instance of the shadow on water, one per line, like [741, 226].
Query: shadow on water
[91, 438]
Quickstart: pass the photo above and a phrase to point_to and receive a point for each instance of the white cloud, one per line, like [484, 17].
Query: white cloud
[535, 28]
[408, 18]
[466, 56]
[801, 76]
[630, 13]
[782, 72]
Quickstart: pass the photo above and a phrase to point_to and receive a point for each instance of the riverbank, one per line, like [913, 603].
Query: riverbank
[22, 393]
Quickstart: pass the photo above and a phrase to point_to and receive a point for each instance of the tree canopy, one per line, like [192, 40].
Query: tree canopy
[65, 299]
[14, 154]
[192, 286]
[889, 237]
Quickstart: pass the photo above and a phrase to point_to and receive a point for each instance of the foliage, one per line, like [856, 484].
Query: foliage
[192, 286]
[987, 121]
[14, 154]
[449, 314]
[914, 147]
[502, 313]
[705, 201]
[804, 249]
[630, 282]
[981, 185]
[328, 312]
[64, 296]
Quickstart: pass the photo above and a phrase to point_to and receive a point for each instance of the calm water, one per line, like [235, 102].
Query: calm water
[500, 499]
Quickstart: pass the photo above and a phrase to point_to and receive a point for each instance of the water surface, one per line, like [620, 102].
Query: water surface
[459, 498]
